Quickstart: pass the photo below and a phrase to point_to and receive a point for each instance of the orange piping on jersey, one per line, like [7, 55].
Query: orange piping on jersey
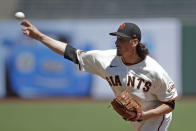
[80, 51]
[161, 123]
[170, 100]
[79, 66]
[78, 62]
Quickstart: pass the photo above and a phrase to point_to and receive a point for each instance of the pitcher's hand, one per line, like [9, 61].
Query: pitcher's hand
[30, 30]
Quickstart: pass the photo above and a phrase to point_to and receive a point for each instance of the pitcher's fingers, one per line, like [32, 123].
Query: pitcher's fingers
[26, 23]
[26, 32]
[25, 28]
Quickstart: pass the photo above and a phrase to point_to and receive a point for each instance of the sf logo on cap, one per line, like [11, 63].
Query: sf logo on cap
[121, 26]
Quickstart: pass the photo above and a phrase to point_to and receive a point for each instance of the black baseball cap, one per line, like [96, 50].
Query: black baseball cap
[129, 30]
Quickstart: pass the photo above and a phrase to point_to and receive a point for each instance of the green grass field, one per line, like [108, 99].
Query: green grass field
[72, 115]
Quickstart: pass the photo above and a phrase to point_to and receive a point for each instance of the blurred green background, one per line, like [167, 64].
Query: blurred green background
[79, 115]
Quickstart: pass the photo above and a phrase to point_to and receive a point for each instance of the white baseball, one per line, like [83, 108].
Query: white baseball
[19, 16]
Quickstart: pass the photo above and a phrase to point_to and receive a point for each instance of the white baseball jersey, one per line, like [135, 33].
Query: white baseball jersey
[148, 82]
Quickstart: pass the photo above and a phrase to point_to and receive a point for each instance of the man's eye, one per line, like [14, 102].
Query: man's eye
[121, 40]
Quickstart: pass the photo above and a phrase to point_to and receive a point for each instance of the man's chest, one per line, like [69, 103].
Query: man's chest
[137, 80]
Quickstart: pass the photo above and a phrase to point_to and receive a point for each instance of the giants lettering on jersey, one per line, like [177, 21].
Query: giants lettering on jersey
[133, 82]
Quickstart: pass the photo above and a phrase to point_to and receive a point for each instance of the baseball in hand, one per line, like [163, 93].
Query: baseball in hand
[19, 16]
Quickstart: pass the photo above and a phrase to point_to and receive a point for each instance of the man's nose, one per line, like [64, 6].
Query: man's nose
[117, 43]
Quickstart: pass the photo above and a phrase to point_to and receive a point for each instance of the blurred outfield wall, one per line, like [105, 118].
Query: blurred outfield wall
[189, 54]
[162, 36]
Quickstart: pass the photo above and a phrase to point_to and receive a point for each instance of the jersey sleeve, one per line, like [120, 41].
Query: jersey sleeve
[166, 92]
[92, 62]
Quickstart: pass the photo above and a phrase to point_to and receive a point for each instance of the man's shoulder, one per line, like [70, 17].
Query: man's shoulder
[103, 52]
[99, 55]
[153, 66]
[152, 63]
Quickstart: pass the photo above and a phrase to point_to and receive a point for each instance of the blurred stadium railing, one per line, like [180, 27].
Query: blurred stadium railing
[108, 8]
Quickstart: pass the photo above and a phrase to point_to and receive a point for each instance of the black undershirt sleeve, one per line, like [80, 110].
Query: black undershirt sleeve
[171, 104]
[70, 54]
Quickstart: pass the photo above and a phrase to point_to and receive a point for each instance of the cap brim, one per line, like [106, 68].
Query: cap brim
[119, 34]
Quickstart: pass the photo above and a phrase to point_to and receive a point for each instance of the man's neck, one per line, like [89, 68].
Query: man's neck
[131, 59]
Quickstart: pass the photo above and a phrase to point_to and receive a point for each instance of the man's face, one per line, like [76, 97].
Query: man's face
[124, 45]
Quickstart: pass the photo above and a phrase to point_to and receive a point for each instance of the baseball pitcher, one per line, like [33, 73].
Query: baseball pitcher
[144, 93]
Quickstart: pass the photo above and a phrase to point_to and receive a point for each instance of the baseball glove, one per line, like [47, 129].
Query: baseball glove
[126, 106]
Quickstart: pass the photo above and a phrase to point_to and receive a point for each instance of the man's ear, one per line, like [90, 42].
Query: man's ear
[135, 42]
